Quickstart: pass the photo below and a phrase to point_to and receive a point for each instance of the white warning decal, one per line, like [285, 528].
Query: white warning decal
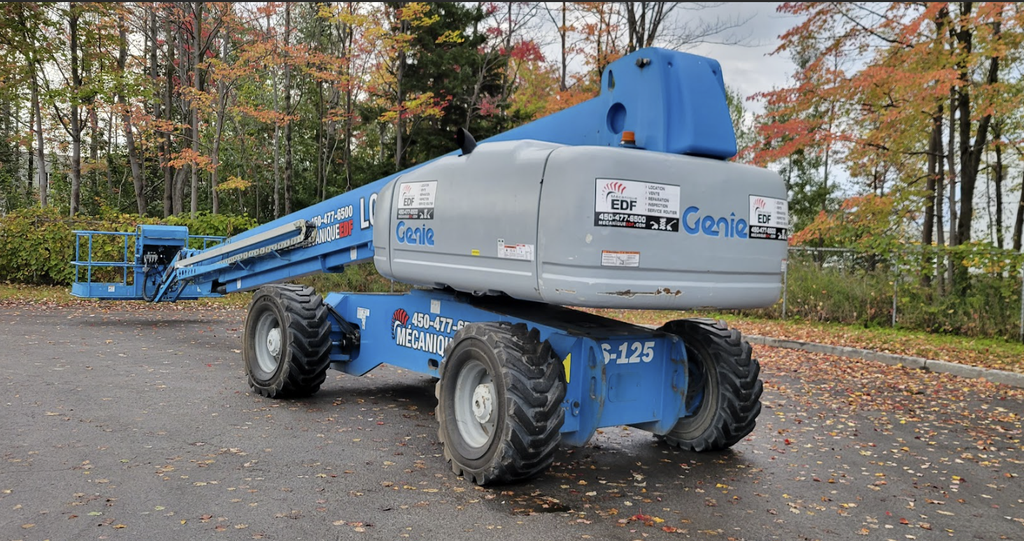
[522, 252]
[620, 259]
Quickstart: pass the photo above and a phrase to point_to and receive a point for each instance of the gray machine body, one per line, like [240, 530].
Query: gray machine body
[587, 226]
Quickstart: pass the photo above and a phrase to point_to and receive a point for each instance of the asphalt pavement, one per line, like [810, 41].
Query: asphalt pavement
[139, 425]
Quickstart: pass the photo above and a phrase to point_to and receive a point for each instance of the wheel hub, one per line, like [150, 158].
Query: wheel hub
[274, 341]
[268, 341]
[483, 403]
[474, 406]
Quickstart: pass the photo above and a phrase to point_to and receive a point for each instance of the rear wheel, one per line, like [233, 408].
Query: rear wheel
[723, 395]
[287, 341]
[499, 403]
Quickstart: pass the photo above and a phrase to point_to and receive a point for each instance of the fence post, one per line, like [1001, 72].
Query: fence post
[895, 286]
[785, 284]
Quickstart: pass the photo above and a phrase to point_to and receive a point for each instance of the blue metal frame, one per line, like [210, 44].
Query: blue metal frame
[132, 284]
[617, 373]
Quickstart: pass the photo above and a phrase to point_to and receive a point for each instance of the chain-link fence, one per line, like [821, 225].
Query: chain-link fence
[968, 291]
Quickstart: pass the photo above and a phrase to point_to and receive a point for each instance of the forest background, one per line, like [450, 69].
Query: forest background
[899, 132]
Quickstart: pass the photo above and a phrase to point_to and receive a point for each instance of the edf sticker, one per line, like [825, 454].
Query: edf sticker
[769, 218]
[636, 205]
[416, 200]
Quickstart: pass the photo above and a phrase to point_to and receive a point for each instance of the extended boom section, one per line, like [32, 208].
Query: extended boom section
[626, 201]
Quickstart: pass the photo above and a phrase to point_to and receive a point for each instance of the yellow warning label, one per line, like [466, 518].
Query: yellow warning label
[475, 252]
[565, 364]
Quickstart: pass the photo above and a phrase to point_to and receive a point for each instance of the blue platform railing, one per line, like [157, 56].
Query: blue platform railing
[88, 244]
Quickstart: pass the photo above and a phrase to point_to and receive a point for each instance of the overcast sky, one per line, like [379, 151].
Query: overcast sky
[747, 68]
[752, 69]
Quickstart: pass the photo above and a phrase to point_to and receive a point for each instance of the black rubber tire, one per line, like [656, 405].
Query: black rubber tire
[528, 386]
[731, 398]
[151, 275]
[303, 337]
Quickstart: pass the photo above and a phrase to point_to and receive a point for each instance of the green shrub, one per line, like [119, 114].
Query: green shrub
[36, 248]
[858, 289]
[221, 225]
[360, 278]
[37, 245]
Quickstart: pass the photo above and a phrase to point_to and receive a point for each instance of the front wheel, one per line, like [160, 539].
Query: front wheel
[723, 394]
[287, 341]
[499, 403]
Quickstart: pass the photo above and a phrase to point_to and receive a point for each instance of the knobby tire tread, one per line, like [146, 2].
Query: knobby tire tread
[534, 417]
[739, 386]
[305, 365]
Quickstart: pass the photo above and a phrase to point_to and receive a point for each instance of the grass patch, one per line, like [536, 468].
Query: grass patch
[995, 353]
[984, 352]
[21, 294]
[359, 278]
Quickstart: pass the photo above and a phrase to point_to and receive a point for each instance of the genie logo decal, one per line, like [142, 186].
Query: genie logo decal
[399, 319]
[713, 226]
[416, 236]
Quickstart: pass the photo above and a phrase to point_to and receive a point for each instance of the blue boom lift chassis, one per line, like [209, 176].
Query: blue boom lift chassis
[516, 378]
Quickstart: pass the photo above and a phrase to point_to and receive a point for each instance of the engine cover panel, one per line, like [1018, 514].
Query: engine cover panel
[587, 226]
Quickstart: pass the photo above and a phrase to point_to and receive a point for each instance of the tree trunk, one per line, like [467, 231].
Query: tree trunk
[950, 157]
[197, 57]
[934, 144]
[222, 103]
[929, 200]
[126, 118]
[970, 159]
[1018, 224]
[940, 179]
[249, 173]
[164, 107]
[321, 150]
[399, 99]
[74, 112]
[287, 111]
[348, 106]
[562, 31]
[400, 143]
[971, 149]
[37, 114]
[179, 189]
[998, 174]
[182, 73]
[108, 150]
[277, 142]
[31, 165]
[94, 150]
[632, 28]
[935, 197]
